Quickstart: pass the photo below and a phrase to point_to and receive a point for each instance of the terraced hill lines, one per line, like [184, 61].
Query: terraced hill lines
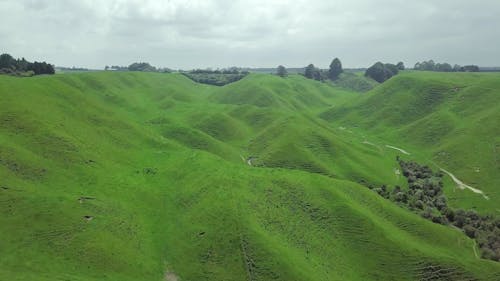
[146, 176]
[451, 119]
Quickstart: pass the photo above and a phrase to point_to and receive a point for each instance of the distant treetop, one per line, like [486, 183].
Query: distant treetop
[381, 72]
[281, 71]
[335, 69]
[141, 66]
[430, 65]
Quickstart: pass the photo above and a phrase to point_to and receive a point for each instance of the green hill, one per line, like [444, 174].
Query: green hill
[449, 120]
[147, 176]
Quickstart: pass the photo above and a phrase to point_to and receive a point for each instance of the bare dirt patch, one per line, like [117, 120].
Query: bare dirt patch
[170, 276]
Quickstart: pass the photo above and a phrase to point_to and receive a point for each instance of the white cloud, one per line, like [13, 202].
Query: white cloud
[203, 33]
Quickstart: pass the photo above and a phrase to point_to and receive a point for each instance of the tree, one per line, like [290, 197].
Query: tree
[141, 66]
[471, 68]
[400, 65]
[381, 72]
[429, 65]
[309, 71]
[470, 231]
[281, 71]
[6, 61]
[392, 68]
[444, 67]
[317, 74]
[335, 69]
[457, 68]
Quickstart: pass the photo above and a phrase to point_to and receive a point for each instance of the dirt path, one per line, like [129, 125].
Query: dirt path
[462, 185]
[170, 276]
[247, 160]
[398, 149]
[372, 144]
[474, 249]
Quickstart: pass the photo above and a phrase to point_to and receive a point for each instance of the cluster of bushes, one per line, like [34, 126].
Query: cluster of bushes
[444, 67]
[138, 66]
[22, 67]
[219, 77]
[381, 72]
[231, 70]
[312, 72]
[425, 197]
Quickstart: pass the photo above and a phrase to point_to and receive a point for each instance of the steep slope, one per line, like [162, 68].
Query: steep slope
[448, 119]
[134, 176]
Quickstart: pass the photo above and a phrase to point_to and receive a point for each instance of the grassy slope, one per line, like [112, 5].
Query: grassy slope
[162, 156]
[446, 119]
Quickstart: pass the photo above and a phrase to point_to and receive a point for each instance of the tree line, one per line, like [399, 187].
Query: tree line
[379, 71]
[137, 66]
[218, 77]
[312, 72]
[22, 67]
[425, 197]
[444, 67]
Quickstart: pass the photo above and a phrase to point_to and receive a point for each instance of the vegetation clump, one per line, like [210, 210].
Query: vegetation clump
[382, 72]
[138, 66]
[22, 67]
[425, 197]
[281, 71]
[333, 73]
[216, 77]
[335, 69]
[444, 67]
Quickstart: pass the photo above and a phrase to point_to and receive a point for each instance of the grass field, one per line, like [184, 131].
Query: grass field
[147, 176]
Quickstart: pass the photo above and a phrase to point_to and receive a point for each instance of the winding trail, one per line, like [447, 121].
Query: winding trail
[462, 185]
[474, 249]
[369, 143]
[398, 149]
[372, 144]
[458, 182]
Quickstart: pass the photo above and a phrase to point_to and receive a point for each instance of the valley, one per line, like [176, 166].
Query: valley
[152, 176]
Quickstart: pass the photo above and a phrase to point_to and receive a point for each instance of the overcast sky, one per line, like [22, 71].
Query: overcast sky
[257, 33]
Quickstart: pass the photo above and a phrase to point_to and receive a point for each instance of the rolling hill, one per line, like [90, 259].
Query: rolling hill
[448, 120]
[147, 176]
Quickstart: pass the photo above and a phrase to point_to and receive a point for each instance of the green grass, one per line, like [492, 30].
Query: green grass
[164, 160]
[445, 119]
[355, 82]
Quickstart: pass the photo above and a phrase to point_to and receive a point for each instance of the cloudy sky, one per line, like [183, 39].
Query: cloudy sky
[256, 33]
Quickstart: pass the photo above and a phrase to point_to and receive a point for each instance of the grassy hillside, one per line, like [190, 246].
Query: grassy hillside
[144, 176]
[450, 120]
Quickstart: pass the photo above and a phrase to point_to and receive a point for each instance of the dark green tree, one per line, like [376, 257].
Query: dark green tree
[400, 65]
[392, 68]
[281, 71]
[309, 71]
[444, 67]
[335, 69]
[381, 72]
[141, 66]
[7, 61]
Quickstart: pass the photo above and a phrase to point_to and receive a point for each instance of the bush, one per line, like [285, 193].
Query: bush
[470, 231]
[381, 72]
[426, 199]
